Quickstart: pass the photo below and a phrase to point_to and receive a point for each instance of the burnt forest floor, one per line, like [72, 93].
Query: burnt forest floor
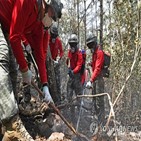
[45, 125]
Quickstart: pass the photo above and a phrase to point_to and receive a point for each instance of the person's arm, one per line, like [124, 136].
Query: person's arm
[26, 44]
[36, 43]
[24, 40]
[19, 18]
[98, 65]
[79, 63]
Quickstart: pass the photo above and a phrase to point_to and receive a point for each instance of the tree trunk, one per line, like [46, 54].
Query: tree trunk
[101, 23]
[52, 78]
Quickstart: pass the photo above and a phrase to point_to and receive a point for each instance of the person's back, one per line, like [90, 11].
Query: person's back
[97, 63]
[16, 19]
[10, 14]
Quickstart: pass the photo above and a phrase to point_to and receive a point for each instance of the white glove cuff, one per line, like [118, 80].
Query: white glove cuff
[27, 76]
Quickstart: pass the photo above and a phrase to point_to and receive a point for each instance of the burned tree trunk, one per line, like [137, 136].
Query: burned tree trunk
[52, 78]
[101, 23]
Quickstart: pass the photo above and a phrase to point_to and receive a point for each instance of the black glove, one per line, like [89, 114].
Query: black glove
[70, 73]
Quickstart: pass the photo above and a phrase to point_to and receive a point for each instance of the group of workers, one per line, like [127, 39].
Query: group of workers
[29, 22]
[77, 72]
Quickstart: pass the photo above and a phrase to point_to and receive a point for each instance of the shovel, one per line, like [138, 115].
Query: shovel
[79, 136]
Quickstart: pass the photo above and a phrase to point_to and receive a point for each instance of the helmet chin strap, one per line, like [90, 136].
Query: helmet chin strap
[46, 28]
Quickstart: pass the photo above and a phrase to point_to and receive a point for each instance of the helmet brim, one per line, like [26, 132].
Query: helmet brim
[48, 2]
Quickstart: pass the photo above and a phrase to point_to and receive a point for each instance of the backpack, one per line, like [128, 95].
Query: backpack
[106, 65]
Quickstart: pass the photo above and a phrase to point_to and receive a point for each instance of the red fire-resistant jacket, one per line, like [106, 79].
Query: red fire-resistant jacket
[97, 63]
[19, 17]
[56, 48]
[75, 61]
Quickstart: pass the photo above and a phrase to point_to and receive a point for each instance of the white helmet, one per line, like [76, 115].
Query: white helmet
[48, 1]
[73, 39]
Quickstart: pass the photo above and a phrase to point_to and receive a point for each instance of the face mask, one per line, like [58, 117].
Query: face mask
[72, 49]
[53, 35]
[47, 21]
[53, 40]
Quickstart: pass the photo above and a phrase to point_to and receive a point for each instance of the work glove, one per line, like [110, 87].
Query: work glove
[28, 48]
[70, 73]
[55, 62]
[58, 58]
[47, 96]
[89, 84]
[27, 77]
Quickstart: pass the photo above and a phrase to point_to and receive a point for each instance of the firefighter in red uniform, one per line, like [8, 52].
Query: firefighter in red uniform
[74, 62]
[96, 78]
[55, 44]
[57, 53]
[19, 18]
